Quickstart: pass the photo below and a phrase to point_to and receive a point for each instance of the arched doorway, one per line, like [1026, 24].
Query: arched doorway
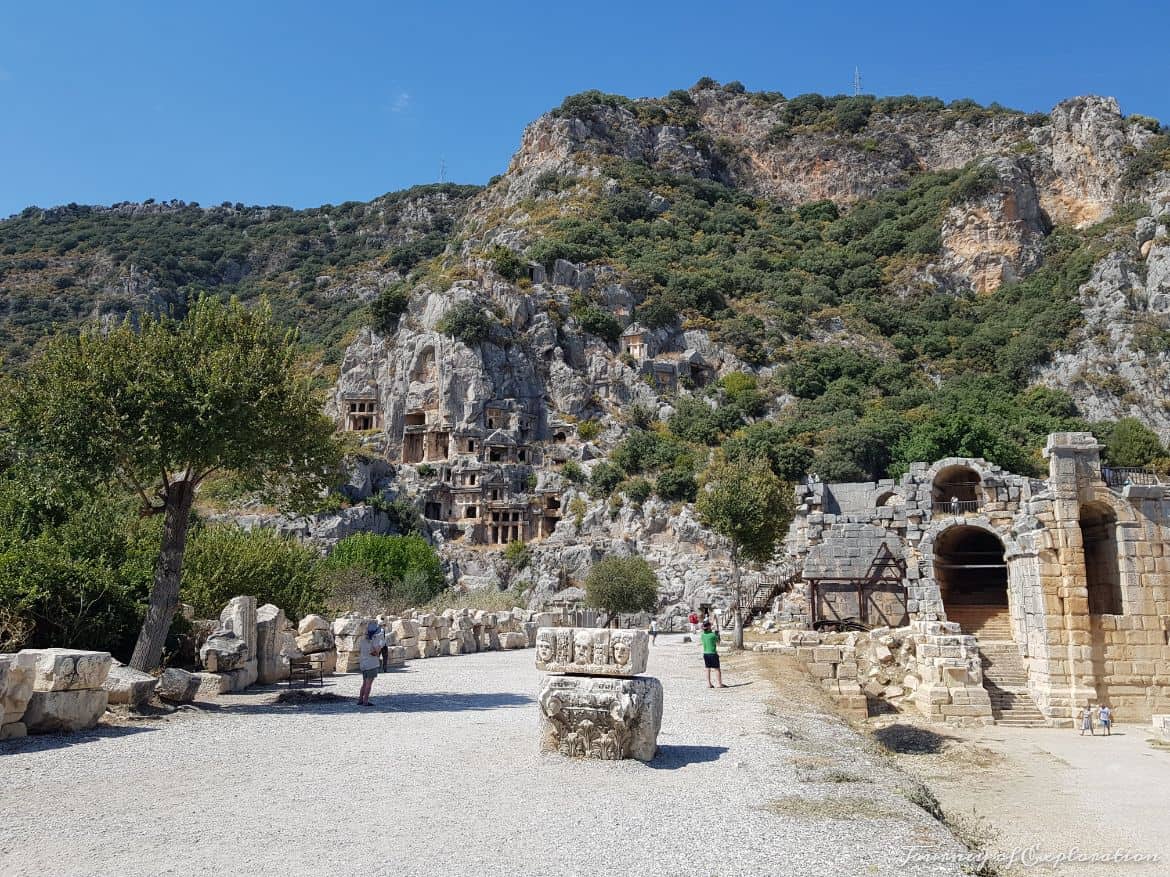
[956, 490]
[971, 574]
[1102, 573]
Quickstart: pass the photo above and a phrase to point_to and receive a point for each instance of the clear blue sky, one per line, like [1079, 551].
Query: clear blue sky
[306, 103]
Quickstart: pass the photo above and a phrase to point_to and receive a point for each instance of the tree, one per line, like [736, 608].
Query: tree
[466, 322]
[1130, 443]
[385, 310]
[751, 508]
[622, 584]
[159, 408]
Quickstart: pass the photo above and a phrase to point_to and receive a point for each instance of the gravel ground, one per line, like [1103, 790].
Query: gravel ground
[443, 777]
[1038, 795]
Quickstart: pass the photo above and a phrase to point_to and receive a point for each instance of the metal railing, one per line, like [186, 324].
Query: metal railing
[1117, 476]
[956, 506]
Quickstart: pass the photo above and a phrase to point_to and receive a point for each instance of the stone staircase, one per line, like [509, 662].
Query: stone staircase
[1006, 682]
[985, 622]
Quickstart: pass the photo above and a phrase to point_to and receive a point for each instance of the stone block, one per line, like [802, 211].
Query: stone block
[312, 622]
[177, 686]
[822, 670]
[224, 650]
[592, 651]
[16, 685]
[272, 666]
[68, 669]
[239, 617]
[64, 710]
[608, 719]
[513, 640]
[395, 656]
[128, 686]
[315, 640]
[13, 730]
[351, 624]
[326, 662]
[209, 686]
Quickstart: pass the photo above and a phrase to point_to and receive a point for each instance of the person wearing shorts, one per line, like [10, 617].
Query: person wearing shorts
[1105, 717]
[370, 660]
[710, 641]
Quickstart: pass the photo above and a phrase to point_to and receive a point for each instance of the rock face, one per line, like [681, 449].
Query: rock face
[65, 710]
[592, 651]
[129, 686]
[608, 719]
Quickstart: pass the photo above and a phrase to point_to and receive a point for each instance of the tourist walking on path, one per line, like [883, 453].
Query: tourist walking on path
[710, 640]
[369, 659]
[1087, 722]
[653, 631]
[693, 620]
[1105, 716]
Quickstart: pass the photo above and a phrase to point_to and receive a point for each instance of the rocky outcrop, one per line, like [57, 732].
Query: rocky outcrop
[998, 237]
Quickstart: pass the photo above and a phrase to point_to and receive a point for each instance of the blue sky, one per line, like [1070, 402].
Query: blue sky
[306, 103]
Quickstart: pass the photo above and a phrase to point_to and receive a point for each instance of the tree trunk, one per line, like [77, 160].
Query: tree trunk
[164, 593]
[737, 636]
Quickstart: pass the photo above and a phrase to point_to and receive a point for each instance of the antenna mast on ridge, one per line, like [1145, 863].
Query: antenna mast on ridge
[856, 81]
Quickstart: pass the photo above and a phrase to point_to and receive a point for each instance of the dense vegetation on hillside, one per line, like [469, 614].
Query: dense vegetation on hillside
[66, 264]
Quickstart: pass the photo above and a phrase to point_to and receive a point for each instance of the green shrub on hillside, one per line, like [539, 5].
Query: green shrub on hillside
[406, 567]
[466, 322]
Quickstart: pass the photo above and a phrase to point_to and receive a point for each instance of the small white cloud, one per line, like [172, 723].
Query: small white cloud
[401, 102]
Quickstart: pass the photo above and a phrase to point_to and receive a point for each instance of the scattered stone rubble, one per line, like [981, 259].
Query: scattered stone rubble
[593, 704]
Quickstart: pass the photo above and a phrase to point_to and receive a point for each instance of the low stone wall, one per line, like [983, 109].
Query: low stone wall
[929, 665]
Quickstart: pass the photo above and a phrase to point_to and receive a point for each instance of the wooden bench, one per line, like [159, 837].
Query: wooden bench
[302, 669]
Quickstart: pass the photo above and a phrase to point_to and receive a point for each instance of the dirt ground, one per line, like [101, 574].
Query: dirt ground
[1039, 800]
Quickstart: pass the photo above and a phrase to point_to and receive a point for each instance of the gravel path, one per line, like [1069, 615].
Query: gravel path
[442, 777]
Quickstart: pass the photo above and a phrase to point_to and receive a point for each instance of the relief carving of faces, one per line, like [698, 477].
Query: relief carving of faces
[545, 648]
[582, 647]
[621, 651]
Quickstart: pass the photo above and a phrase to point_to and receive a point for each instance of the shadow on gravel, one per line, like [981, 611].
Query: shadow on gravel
[674, 757]
[328, 703]
[912, 740]
[45, 742]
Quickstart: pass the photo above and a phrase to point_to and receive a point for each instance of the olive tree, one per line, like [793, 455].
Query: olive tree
[750, 507]
[159, 407]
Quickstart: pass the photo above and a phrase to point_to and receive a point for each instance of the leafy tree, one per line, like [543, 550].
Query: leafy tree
[466, 322]
[160, 408]
[407, 568]
[1130, 443]
[694, 421]
[223, 561]
[597, 322]
[622, 585]
[751, 508]
[587, 430]
[961, 435]
[518, 555]
[638, 490]
[573, 472]
[385, 310]
[790, 460]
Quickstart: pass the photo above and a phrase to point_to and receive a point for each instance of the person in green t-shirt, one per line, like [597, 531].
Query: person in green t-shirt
[710, 640]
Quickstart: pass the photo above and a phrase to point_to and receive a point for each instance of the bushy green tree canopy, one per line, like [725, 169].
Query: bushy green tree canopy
[622, 585]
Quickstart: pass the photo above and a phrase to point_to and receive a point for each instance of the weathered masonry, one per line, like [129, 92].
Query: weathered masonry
[1062, 584]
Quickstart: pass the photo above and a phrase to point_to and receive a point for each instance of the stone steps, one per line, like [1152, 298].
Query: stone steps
[1006, 683]
[992, 622]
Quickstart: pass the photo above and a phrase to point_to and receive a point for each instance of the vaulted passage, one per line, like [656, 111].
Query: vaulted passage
[971, 574]
[1102, 574]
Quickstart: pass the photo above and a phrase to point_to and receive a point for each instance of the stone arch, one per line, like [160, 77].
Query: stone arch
[1007, 561]
[957, 488]
[888, 498]
[1098, 526]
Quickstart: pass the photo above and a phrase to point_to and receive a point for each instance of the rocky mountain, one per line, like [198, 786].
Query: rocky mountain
[842, 284]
